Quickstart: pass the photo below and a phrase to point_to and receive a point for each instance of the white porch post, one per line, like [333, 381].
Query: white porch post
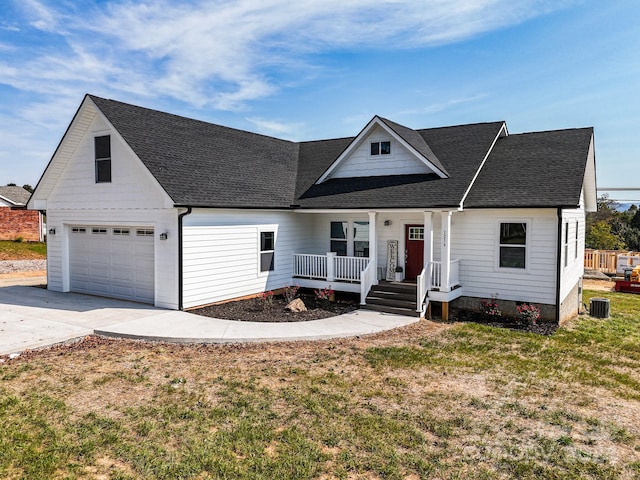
[373, 246]
[445, 251]
[331, 266]
[428, 238]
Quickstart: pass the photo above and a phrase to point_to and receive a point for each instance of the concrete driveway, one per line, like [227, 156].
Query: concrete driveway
[32, 317]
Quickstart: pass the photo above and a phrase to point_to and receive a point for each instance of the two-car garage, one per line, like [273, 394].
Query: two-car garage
[112, 261]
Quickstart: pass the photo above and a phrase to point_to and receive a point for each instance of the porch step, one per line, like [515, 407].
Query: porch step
[394, 310]
[396, 298]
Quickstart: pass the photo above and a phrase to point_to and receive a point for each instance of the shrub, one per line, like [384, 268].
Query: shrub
[490, 307]
[291, 292]
[324, 295]
[267, 299]
[529, 313]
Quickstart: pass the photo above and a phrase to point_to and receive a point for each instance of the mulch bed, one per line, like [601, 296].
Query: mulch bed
[257, 310]
[541, 327]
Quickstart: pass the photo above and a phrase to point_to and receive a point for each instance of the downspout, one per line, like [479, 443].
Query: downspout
[559, 265]
[180, 260]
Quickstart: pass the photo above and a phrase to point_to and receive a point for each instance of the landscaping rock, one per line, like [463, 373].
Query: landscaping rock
[296, 305]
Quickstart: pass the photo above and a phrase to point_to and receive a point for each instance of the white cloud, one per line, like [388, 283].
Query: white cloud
[224, 53]
[276, 128]
[41, 17]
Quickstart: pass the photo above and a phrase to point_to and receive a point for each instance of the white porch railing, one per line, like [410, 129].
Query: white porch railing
[329, 267]
[349, 268]
[431, 279]
[423, 284]
[367, 280]
[310, 266]
[436, 274]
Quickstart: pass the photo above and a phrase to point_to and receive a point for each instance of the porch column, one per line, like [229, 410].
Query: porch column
[331, 266]
[428, 239]
[373, 246]
[445, 251]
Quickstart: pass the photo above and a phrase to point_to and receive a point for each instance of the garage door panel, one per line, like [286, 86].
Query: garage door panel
[112, 264]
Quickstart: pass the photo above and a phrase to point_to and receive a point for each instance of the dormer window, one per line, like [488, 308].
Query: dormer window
[381, 148]
[103, 158]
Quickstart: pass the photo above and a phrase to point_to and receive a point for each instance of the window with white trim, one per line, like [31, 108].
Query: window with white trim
[267, 250]
[380, 148]
[98, 231]
[121, 231]
[349, 238]
[416, 233]
[102, 149]
[339, 238]
[360, 239]
[80, 230]
[576, 241]
[513, 245]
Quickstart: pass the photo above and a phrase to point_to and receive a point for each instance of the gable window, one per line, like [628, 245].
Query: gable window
[513, 245]
[339, 238]
[380, 148]
[267, 249]
[103, 158]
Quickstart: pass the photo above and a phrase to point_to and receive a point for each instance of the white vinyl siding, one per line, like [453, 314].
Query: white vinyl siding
[131, 185]
[221, 253]
[573, 253]
[474, 240]
[362, 164]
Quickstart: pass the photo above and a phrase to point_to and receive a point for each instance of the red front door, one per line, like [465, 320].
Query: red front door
[414, 251]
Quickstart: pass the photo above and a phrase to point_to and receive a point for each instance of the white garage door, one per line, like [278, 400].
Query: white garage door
[112, 262]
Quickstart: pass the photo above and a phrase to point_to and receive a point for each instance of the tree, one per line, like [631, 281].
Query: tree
[600, 237]
[28, 188]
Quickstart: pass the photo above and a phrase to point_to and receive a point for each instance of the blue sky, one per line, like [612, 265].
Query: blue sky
[314, 69]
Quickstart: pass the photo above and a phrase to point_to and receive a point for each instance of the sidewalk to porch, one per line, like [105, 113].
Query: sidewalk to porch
[32, 317]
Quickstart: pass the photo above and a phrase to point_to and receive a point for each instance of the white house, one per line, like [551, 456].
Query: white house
[157, 208]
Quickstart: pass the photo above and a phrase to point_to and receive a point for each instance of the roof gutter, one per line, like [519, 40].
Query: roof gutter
[180, 259]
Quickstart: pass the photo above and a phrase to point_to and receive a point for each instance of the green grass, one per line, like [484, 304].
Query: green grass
[470, 402]
[10, 250]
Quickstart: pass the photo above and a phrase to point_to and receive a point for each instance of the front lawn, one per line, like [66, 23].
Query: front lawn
[10, 250]
[427, 401]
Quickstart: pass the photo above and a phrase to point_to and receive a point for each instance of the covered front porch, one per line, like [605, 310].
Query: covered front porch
[358, 263]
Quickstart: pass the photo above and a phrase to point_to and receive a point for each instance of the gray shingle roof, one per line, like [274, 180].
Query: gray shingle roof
[17, 195]
[540, 169]
[208, 165]
[461, 148]
[202, 164]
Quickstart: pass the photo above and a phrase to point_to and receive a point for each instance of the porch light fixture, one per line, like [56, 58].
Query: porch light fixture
[52, 231]
[164, 236]
[387, 223]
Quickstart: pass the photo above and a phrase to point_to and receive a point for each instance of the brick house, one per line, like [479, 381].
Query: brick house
[15, 221]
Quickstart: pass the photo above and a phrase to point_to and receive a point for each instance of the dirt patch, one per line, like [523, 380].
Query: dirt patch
[273, 310]
[598, 285]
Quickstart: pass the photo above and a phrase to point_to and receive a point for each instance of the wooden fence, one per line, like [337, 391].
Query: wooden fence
[610, 261]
